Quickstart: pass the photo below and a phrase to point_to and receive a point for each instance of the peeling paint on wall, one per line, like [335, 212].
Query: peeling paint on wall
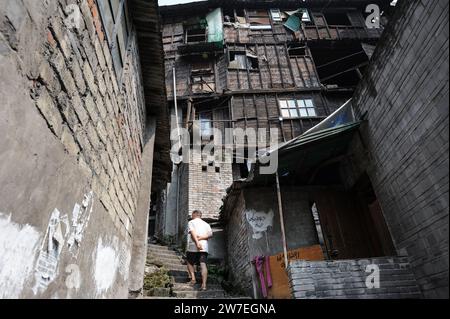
[106, 264]
[18, 247]
[59, 232]
[124, 260]
[47, 264]
[80, 220]
[259, 221]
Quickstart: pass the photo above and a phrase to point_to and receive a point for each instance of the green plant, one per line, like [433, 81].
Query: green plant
[157, 279]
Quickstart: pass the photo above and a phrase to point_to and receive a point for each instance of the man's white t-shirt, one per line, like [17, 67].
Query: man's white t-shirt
[202, 228]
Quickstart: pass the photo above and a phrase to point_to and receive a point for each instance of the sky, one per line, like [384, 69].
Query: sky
[170, 2]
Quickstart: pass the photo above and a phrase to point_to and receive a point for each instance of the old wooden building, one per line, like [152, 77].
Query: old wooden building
[283, 65]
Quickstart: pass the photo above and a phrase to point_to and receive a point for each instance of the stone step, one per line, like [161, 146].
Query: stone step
[163, 254]
[196, 287]
[154, 247]
[170, 267]
[209, 294]
[167, 261]
[184, 278]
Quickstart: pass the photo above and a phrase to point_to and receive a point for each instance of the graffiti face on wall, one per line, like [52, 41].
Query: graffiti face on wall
[259, 221]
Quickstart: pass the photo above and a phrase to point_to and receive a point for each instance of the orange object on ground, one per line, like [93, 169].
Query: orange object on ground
[280, 283]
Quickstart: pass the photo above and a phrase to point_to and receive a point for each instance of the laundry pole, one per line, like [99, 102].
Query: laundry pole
[280, 210]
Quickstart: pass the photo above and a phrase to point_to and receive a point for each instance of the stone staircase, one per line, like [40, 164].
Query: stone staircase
[163, 256]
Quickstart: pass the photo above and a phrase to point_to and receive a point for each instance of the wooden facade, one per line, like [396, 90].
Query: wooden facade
[263, 65]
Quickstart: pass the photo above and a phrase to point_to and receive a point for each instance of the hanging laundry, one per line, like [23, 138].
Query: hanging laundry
[263, 269]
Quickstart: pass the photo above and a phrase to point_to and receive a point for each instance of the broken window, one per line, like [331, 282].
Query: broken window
[296, 50]
[259, 19]
[229, 15]
[240, 16]
[243, 60]
[276, 15]
[305, 15]
[297, 108]
[238, 60]
[344, 67]
[196, 35]
[337, 18]
[202, 77]
[296, 18]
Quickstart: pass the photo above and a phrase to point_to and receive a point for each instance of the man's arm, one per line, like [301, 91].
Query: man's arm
[196, 239]
[208, 235]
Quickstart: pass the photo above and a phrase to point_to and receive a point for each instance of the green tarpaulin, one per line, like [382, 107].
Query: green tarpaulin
[293, 23]
[215, 27]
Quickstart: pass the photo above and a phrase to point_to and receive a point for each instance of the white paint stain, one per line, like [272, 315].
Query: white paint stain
[18, 247]
[106, 264]
[259, 221]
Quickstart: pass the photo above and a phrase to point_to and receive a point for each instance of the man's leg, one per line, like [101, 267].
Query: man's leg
[190, 266]
[204, 270]
[191, 272]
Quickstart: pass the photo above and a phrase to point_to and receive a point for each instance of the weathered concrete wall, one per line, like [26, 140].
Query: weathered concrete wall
[406, 95]
[346, 279]
[70, 148]
[298, 220]
[254, 228]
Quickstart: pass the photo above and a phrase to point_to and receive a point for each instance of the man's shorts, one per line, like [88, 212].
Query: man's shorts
[195, 258]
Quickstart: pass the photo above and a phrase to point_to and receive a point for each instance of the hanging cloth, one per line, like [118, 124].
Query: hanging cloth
[263, 268]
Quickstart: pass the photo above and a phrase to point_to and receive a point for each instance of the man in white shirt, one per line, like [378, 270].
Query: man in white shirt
[199, 232]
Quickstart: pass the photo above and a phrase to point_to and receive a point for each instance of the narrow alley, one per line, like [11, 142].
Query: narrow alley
[281, 149]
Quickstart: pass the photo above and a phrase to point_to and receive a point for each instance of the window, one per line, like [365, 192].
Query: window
[259, 19]
[243, 60]
[206, 125]
[115, 21]
[339, 18]
[297, 108]
[195, 35]
[296, 50]
[228, 15]
[276, 15]
[202, 77]
[305, 16]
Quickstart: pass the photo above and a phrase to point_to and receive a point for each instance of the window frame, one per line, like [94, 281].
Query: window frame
[295, 108]
[118, 31]
[277, 11]
[259, 26]
[247, 61]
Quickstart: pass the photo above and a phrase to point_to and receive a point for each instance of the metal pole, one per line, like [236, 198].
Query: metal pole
[176, 104]
[280, 209]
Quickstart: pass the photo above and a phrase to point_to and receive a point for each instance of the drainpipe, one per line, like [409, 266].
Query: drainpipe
[280, 209]
[178, 199]
[179, 143]
[176, 103]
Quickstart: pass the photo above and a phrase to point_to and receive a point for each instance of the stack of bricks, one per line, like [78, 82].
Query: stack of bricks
[405, 96]
[98, 118]
[346, 279]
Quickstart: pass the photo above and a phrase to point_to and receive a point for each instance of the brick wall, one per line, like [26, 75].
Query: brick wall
[238, 256]
[69, 129]
[208, 185]
[405, 94]
[77, 93]
[347, 279]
